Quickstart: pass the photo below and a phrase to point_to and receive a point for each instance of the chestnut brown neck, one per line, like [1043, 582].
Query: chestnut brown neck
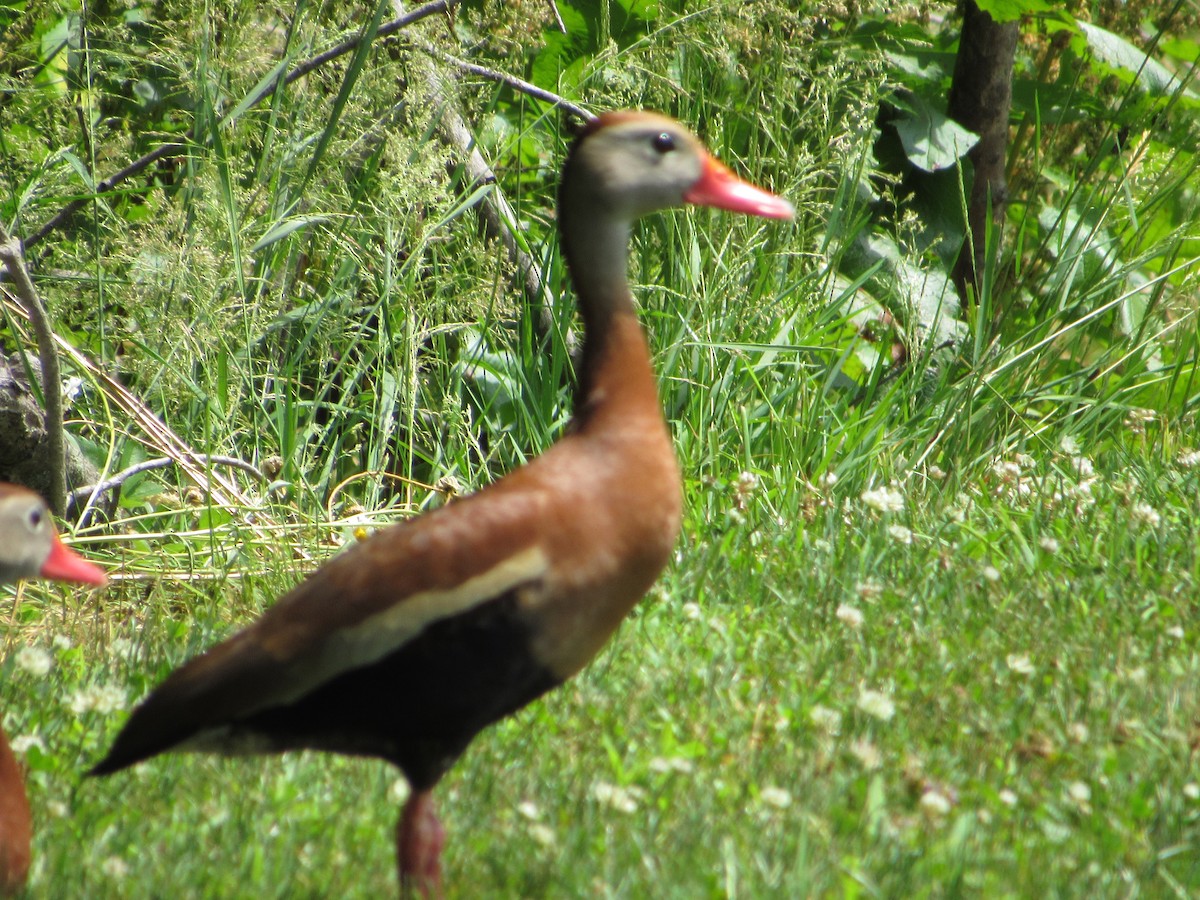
[615, 375]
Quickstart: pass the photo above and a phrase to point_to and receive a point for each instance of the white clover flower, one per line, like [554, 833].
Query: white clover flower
[543, 834]
[868, 590]
[61, 642]
[937, 473]
[1020, 664]
[1176, 632]
[101, 698]
[1069, 445]
[58, 809]
[663, 765]
[1188, 459]
[1049, 544]
[828, 480]
[747, 483]
[1137, 419]
[826, 719]
[691, 611]
[776, 797]
[1055, 832]
[529, 810]
[884, 499]
[1191, 790]
[934, 804]
[622, 799]
[900, 534]
[1134, 676]
[876, 704]
[109, 698]
[22, 742]
[1082, 495]
[991, 573]
[1079, 794]
[1007, 797]
[115, 868]
[1078, 732]
[850, 616]
[1082, 466]
[1006, 471]
[1145, 514]
[34, 660]
[867, 754]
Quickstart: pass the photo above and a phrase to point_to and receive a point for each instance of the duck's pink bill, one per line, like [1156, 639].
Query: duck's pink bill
[721, 188]
[67, 565]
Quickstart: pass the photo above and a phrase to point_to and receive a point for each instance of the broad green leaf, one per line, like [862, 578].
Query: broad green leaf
[932, 140]
[640, 9]
[1010, 10]
[1118, 52]
[56, 39]
[1181, 48]
[927, 67]
[559, 50]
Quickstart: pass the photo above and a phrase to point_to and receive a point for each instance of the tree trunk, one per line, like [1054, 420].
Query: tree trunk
[980, 99]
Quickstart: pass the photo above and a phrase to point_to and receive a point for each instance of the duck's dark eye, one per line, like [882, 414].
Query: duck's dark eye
[35, 518]
[664, 142]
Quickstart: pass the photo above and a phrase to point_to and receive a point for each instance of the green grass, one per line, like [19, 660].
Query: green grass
[1058, 670]
[1035, 638]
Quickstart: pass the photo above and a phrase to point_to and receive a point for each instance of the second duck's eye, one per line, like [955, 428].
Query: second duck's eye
[664, 142]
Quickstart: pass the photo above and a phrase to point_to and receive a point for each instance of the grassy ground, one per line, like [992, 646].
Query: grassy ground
[929, 635]
[1003, 707]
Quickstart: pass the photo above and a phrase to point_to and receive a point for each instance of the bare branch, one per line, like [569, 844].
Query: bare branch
[165, 151]
[11, 256]
[562, 26]
[162, 462]
[517, 84]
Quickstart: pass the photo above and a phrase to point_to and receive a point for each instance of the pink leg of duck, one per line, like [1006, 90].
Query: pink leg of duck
[419, 841]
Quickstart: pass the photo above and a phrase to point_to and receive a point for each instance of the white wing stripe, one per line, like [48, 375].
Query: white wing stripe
[375, 637]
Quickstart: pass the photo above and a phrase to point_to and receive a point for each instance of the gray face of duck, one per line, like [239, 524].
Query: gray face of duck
[627, 169]
[626, 165]
[29, 545]
[623, 166]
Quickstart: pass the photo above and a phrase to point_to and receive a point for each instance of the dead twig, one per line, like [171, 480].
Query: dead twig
[163, 462]
[517, 84]
[13, 259]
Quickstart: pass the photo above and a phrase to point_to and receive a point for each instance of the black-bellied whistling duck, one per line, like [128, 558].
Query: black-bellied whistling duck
[406, 645]
[29, 548]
